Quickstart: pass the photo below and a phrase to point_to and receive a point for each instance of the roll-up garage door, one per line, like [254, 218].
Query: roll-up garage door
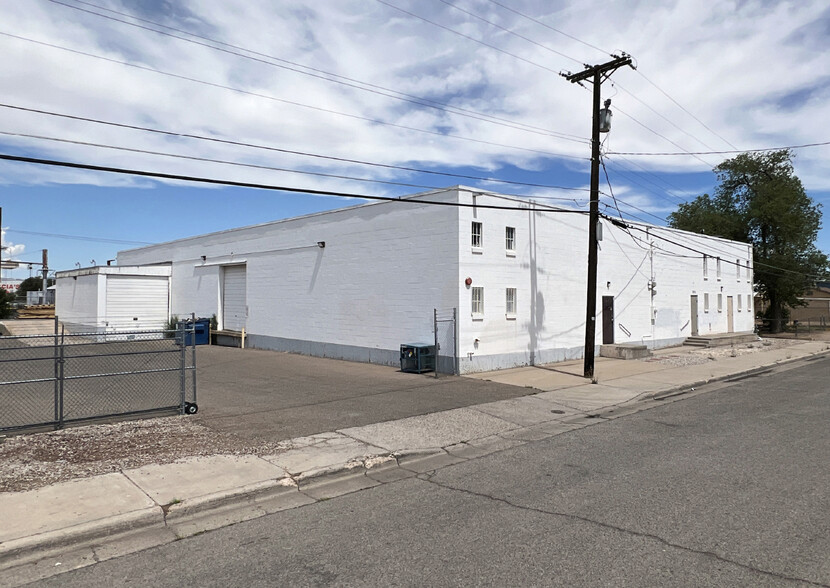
[234, 299]
[137, 302]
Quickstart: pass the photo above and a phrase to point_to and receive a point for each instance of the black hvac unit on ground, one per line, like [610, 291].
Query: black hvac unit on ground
[417, 358]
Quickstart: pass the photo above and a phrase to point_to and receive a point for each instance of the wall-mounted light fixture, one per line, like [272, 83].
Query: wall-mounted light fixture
[468, 281]
[321, 244]
[204, 258]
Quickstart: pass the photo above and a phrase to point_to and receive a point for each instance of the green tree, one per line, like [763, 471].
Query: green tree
[6, 299]
[34, 284]
[761, 201]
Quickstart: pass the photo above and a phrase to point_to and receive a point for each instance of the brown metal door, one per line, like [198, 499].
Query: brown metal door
[607, 320]
[730, 316]
[694, 315]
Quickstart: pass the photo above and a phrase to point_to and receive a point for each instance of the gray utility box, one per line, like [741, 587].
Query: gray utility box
[417, 358]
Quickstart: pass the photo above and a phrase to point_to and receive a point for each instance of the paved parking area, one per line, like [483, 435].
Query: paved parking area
[260, 394]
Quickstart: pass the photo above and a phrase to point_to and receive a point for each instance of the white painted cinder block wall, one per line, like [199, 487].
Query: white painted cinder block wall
[387, 265]
[373, 287]
[549, 274]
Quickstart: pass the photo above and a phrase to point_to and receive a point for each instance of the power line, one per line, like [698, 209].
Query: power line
[803, 146]
[218, 182]
[287, 151]
[209, 160]
[680, 106]
[469, 38]
[349, 82]
[665, 118]
[282, 100]
[727, 261]
[80, 237]
[514, 33]
[547, 26]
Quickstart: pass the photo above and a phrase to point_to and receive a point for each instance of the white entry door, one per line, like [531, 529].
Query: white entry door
[234, 297]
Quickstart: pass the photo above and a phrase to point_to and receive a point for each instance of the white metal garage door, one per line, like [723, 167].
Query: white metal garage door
[137, 302]
[234, 300]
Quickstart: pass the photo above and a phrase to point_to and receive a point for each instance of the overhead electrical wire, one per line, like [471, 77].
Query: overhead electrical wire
[473, 39]
[272, 187]
[78, 238]
[724, 260]
[286, 151]
[646, 127]
[684, 153]
[321, 74]
[284, 101]
[547, 26]
[210, 160]
[505, 29]
[681, 107]
[637, 69]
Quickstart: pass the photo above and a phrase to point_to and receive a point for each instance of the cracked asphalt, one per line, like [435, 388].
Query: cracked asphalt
[726, 488]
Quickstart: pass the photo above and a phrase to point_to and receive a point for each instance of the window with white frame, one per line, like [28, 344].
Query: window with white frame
[718, 267]
[510, 239]
[748, 273]
[478, 301]
[510, 302]
[705, 267]
[739, 303]
[749, 302]
[720, 302]
[706, 302]
[738, 268]
[477, 235]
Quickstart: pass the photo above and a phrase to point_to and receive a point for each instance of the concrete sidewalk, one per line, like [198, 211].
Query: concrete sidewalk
[83, 521]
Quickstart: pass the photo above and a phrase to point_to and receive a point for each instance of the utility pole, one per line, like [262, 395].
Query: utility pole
[597, 74]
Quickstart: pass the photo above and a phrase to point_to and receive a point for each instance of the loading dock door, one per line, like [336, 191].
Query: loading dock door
[234, 297]
[137, 302]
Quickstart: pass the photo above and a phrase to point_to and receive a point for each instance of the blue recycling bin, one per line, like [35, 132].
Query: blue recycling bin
[197, 332]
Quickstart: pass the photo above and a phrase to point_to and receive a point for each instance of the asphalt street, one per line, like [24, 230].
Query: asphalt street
[725, 488]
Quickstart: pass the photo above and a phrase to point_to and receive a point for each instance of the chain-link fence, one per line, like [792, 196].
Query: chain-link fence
[794, 327]
[53, 380]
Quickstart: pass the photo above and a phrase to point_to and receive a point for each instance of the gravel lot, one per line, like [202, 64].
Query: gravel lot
[33, 461]
[684, 356]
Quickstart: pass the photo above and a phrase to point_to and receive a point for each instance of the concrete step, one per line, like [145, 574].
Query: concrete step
[720, 339]
[624, 351]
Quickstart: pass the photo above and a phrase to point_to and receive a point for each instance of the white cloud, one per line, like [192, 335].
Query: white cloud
[10, 250]
[728, 63]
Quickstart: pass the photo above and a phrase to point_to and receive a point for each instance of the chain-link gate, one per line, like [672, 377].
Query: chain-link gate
[446, 341]
[53, 380]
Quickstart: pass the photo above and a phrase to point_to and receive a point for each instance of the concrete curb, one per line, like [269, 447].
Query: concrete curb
[26, 549]
[675, 391]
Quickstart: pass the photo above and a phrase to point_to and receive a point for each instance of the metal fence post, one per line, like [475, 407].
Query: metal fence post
[61, 378]
[455, 340]
[58, 417]
[182, 366]
[435, 332]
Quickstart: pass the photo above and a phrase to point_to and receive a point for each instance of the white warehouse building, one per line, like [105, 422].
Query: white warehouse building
[358, 282]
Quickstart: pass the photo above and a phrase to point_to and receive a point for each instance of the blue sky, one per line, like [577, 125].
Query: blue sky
[709, 77]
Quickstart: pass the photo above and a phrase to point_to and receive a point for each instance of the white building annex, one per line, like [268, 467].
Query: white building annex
[358, 282]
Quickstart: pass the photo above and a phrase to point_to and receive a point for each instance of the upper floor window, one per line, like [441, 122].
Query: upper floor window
[510, 238]
[510, 302]
[705, 266]
[477, 301]
[477, 235]
[738, 268]
[718, 267]
[748, 272]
